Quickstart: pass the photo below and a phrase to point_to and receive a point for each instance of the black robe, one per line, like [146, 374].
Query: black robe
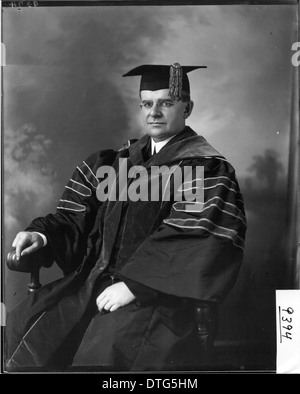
[169, 254]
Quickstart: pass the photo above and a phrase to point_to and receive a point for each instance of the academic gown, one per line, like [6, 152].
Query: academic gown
[170, 253]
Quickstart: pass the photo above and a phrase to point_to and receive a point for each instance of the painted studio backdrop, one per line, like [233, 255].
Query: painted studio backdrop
[64, 98]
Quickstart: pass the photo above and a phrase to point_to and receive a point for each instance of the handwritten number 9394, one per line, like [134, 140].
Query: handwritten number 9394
[286, 318]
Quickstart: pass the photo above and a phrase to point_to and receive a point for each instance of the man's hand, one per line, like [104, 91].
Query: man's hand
[27, 242]
[114, 297]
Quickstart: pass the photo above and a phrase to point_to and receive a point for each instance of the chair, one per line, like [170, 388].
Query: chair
[206, 315]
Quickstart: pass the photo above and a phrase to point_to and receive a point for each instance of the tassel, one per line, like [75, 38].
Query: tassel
[175, 82]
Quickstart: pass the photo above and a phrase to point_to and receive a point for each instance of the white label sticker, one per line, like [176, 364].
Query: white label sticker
[288, 331]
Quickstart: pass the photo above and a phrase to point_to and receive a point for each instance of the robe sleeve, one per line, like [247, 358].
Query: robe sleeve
[197, 250]
[68, 229]
[144, 294]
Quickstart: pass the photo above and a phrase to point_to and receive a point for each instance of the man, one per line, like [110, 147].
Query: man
[134, 267]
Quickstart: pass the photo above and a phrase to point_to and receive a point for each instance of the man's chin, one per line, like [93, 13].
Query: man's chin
[157, 131]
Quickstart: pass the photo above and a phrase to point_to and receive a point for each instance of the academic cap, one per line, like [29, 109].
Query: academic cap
[156, 77]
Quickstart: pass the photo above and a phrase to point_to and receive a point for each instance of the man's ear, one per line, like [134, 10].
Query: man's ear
[188, 109]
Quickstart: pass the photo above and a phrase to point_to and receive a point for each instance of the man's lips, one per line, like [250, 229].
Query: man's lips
[156, 123]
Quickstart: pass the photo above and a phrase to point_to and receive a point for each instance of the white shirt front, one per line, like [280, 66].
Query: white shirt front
[159, 145]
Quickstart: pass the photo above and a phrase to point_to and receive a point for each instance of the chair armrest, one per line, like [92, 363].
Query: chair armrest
[25, 264]
[29, 263]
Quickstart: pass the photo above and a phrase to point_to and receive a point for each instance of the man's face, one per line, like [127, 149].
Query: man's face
[162, 117]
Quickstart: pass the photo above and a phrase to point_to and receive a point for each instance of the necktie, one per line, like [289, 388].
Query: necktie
[154, 150]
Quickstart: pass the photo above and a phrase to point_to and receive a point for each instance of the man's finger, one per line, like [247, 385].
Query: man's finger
[21, 239]
[108, 305]
[102, 295]
[100, 299]
[102, 304]
[30, 249]
[114, 307]
[15, 241]
[20, 245]
[18, 251]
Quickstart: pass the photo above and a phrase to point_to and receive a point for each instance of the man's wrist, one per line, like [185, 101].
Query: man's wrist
[43, 236]
[144, 295]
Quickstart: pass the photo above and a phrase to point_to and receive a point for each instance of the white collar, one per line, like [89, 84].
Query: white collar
[159, 145]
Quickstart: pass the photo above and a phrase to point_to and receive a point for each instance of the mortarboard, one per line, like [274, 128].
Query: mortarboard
[155, 77]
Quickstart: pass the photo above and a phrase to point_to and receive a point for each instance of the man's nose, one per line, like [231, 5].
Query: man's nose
[155, 111]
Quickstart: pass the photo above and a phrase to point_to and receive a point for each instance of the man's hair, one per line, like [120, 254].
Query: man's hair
[185, 96]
